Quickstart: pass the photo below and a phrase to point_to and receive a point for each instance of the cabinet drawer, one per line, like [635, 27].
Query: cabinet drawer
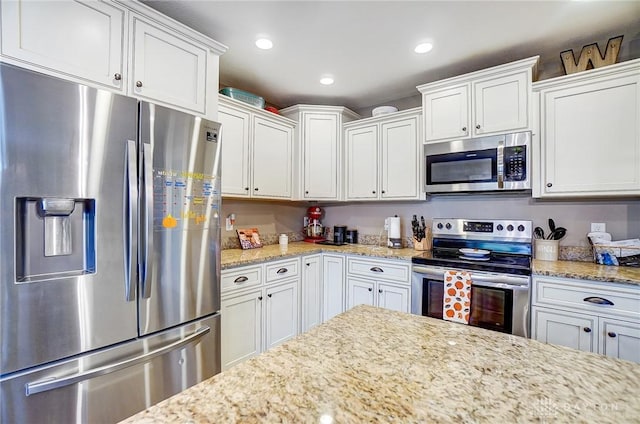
[588, 296]
[281, 270]
[240, 278]
[379, 270]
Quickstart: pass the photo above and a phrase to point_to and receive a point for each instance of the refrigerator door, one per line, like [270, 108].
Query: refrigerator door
[115, 383]
[65, 285]
[179, 267]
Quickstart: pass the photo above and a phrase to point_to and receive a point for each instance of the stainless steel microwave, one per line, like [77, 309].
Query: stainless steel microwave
[496, 163]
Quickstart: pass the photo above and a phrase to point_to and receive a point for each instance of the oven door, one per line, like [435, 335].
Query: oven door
[499, 302]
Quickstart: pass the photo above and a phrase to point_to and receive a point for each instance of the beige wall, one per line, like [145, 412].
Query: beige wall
[621, 216]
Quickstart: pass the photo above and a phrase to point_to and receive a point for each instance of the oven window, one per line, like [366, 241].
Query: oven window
[466, 167]
[491, 308]
[432, 294]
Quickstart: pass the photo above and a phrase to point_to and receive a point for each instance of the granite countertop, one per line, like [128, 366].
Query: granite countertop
[588, 271]
[237, 257]
[565, 269]
[376, 365]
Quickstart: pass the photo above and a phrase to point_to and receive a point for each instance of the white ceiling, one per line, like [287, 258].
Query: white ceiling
[368, 45]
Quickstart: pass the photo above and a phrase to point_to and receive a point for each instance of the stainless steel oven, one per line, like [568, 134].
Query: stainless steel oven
[499, 302]
[500, 277]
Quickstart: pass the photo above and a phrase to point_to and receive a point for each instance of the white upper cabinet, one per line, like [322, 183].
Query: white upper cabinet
[167, 67]
[383, 157]
[81, 40]
[491, 101]
[318, 150]
[589, 133]
[257, 151]
[123, 46]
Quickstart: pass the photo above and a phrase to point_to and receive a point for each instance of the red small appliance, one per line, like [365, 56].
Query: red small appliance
[313, 228]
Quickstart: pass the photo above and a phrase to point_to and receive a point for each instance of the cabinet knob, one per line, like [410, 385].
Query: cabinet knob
[117, 76]
[306, 192]
[586, 330]
[259, 297]
[611, 334]
[549, 184]
[373, 192]
[138, 84]
[478, 126]
[464, 129]
[308, 264]
[370, 289]
[270, 294]
[246, 188]
[380, 291]
[383, 192]
[255, 189]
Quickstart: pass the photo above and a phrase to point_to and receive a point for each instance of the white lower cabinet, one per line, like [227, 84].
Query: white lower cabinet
[311, 292]
[382, 283]
[241, 327]
[281, 318]
[333, 285]
[259, 308]
[587, 315]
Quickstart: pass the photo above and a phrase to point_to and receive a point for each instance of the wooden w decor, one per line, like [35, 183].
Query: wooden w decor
[590, 54]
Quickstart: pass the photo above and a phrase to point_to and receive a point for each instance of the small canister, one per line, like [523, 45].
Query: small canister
[339, 233]
[352, 236]
[283, 240]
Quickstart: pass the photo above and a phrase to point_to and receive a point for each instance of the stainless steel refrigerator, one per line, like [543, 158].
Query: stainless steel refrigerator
[110, 251]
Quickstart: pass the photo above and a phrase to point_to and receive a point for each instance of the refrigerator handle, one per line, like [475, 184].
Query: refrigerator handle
[131, 200]
[52, 383]
[147, 161]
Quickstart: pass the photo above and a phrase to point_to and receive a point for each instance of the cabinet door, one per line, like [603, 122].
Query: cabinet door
[446, 113]
[311, 289]
[501, 104]
[332, 286]
[400, 159]
[321, 156]
[360, 292]
[167, 68]
[281, 313]
[362, 163]
[591, 138]
[577, 331]
[241, 333]
[620, 339]
[272, 156]
[235, 139]
[394, 297]
[70, 39]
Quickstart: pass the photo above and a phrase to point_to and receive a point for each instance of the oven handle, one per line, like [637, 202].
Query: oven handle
[493, 280]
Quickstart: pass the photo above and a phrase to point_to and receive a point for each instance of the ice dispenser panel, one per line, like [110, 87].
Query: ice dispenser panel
[54, 238]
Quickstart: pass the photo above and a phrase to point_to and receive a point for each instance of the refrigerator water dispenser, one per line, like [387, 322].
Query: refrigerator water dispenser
[54, 238]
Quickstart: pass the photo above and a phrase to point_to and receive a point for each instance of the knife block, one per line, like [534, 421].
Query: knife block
[425, 243]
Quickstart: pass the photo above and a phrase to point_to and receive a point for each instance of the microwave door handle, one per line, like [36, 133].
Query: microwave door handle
[500, 164]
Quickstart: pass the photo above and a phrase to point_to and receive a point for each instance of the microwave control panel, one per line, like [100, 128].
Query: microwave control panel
[515, 163]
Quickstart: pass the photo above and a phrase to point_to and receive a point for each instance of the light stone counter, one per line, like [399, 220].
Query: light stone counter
[587, 271]
[237, 257]
[375, 365]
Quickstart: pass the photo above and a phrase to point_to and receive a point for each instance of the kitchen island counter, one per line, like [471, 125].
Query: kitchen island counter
[371, 364]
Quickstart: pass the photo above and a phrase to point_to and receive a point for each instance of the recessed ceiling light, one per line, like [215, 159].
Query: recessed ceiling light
[264, 43]
[326, 80]
[423, 48]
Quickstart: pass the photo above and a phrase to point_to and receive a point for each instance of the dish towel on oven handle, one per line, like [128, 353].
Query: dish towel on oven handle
[456, 301]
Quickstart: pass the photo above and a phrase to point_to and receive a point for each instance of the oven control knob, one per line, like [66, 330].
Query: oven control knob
[448, 226]
[521, 228]
[509, 227]
[499, 227]
[439, 225]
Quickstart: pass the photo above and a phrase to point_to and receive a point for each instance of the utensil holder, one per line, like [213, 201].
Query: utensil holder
[546, 250]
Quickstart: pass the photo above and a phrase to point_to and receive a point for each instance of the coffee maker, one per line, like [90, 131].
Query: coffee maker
[313, 229]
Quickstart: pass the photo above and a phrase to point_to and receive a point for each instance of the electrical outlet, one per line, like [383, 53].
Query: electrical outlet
[599, 227]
